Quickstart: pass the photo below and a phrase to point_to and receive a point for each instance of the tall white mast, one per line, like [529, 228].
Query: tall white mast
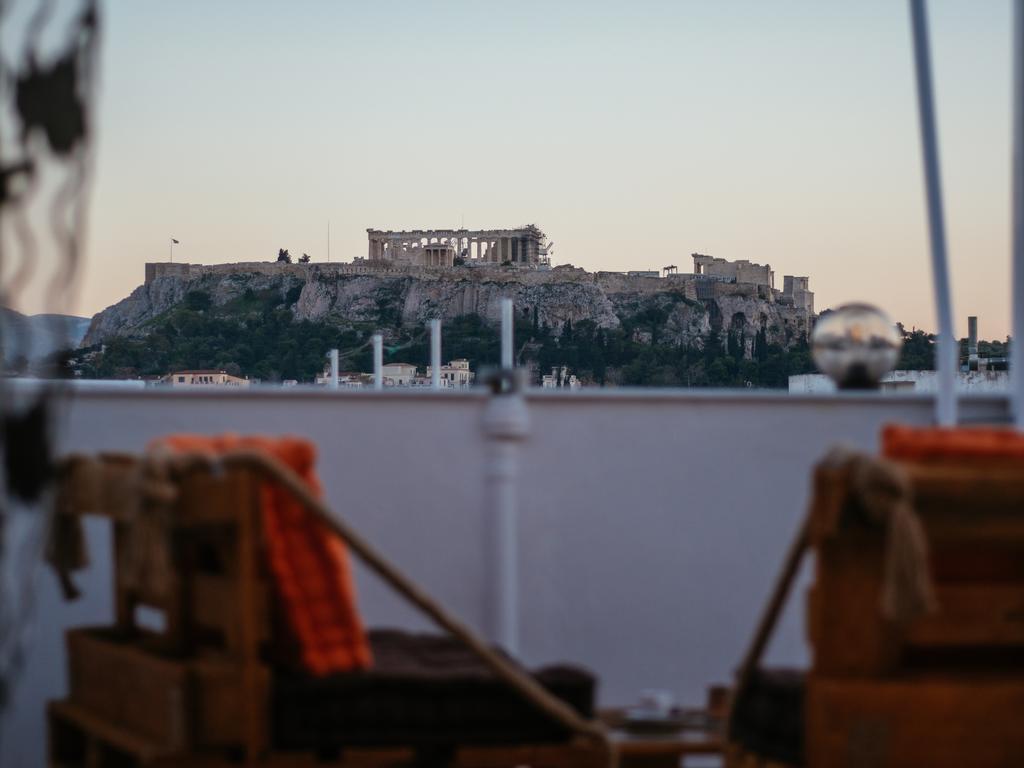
[946, 351]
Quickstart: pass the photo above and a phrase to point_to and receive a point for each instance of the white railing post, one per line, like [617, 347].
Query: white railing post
[506, 334]
[378, 361]
[333, 355]
[435, 354]
[1017, 338]
[946, 348]
[506, 424]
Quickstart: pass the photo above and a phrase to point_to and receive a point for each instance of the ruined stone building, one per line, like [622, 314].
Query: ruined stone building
[795, 290]
[440, 247]
[741, 271]
[711, 270]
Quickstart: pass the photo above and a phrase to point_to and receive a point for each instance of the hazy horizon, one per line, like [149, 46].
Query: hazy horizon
[632, 134]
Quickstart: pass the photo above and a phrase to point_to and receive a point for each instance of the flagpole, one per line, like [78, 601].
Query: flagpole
[946, 347]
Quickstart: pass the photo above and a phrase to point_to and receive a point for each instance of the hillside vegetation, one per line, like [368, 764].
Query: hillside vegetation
[257, 336]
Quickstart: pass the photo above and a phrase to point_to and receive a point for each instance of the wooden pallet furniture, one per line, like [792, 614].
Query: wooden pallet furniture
[946, 688]
[194, 689]
[941, 689]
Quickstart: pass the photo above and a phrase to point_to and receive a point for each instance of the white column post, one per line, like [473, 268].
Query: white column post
[1017, 342]
[435, 354]
[506, 333]
[506, 424]
[378, 361]
[333, 355]
[946, 347]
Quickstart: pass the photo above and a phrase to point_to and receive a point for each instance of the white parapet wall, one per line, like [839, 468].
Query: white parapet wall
[651, 522]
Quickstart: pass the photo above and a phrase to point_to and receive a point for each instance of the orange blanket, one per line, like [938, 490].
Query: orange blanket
[309, 564]
[962, 444]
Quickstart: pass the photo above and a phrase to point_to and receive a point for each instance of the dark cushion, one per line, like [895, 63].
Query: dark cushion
[423, 690]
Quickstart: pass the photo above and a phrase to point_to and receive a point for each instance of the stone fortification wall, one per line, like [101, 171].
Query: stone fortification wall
[746, 290]
[614, 281]
[695, 287]
[272, 268]
[692, 286]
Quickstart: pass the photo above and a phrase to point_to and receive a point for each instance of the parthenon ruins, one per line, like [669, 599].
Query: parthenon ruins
[440, 247]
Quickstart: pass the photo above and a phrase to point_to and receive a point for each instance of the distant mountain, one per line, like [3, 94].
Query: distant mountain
[33, 337]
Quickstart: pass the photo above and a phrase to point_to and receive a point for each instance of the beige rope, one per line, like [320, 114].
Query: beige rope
[523, 684]
[885, 493]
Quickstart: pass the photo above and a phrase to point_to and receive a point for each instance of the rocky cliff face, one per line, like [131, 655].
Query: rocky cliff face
[558, 296]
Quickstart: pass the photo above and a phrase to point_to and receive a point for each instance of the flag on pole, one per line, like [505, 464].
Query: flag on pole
[174, 241]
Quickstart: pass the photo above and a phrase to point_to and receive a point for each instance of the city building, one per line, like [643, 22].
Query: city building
[560, 378]
[398, 374]
[454, 375]
[346, 379]
[982, 381]
[203, 379]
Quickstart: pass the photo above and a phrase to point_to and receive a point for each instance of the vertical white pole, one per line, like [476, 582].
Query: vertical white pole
[435, 353]
[378, 361]
[506, 333]
[506, 424]
[334, 368]
[1017, 341]
[946, 346]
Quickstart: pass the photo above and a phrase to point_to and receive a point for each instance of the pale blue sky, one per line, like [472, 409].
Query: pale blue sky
[632, 133]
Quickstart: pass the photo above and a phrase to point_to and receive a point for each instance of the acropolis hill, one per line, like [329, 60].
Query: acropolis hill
[736, 297]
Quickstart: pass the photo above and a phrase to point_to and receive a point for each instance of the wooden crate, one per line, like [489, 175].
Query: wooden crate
[974, 521]
[79, 739]
[218, 575]
[197, 692]
[175, 705]
[915, 721]
[130, 687]
[108, 485]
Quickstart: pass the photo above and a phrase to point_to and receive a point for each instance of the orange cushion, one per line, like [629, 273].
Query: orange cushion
[308, 562]
[949, 444]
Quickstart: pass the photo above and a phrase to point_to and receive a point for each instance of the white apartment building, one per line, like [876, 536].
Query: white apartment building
[454, 375]
[203, 379]
[398, 374]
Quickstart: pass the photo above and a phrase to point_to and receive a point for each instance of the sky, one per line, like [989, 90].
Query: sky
[633, 133]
